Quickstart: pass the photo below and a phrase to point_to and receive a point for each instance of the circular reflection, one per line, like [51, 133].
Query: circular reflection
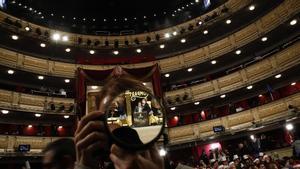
[134, 116]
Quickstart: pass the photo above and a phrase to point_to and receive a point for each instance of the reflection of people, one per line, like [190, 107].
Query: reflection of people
[59, 154]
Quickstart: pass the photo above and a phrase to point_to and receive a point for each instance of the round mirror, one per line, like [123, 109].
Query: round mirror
[134, 117]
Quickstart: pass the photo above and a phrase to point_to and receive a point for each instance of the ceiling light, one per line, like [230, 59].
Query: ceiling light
[200, 22]
[40, 77]
[162, 152]
[162, 46]
[252, 137]
[251, 7]
[43, 45]
[68, 50]
[264, 39]
[37, 115]
[289, 126]
[67, 80]
[213, 62]
[94, 87]
[223, 96]
[56, 36]
[260, 95]
[138, 50]
[238, 52]
[196, 103]
[190, 69]
[4, 111]
[167, 75]
[116, 52]
[65, 38]
[183, 40]
[167, 35]
[249, 87]
[174, 33]
[278, 76]
[60, 127]
[27, 28]
[205, 32]
[66, 116]
[293, 22]
[29, 126]
[92, 52]
[173, 108]
[10, 72]
[228, 21]
[293, 84]
[196, 1]
[14, 37]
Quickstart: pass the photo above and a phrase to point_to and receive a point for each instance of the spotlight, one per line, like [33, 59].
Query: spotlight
[264, 39]
[196, 103]
[183, 40]
[92, 52]
[167, 75]
[115, 52]
[260, 95]
[293, 84]
[238, 52]
[56, 36]
[29, 126]
[167, 35]
[65, 38]
[252, 137]
[43, 45]
[27, 28]
[174, 33]
[144, 84]
[251, 7]
[289, 126]
[293, 22]
[67, 80]
[66, 116]
[173, 108]
[4, 111]
[162, 152]
[10, 72]
[40, 77]
[200, 23]
[278, 76]
[68, 50]
[249, 87]
[60, 127]
[205, 32]
[228, 21]
[37, 115]
[190, 69]
[162, 46]
[213, 62]
[94, 87]
[14, 37]
[223, 96]
[138, 50]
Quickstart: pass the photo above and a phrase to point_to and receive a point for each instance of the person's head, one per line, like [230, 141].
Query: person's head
[272, 166]
[139, 104]
[59, 154]
[144, 101]
[241, 145]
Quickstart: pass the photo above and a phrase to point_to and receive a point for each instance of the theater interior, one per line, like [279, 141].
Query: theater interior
[225, 75]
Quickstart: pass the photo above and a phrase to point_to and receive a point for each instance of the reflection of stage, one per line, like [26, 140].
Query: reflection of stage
[117, 120]
[147, 134]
